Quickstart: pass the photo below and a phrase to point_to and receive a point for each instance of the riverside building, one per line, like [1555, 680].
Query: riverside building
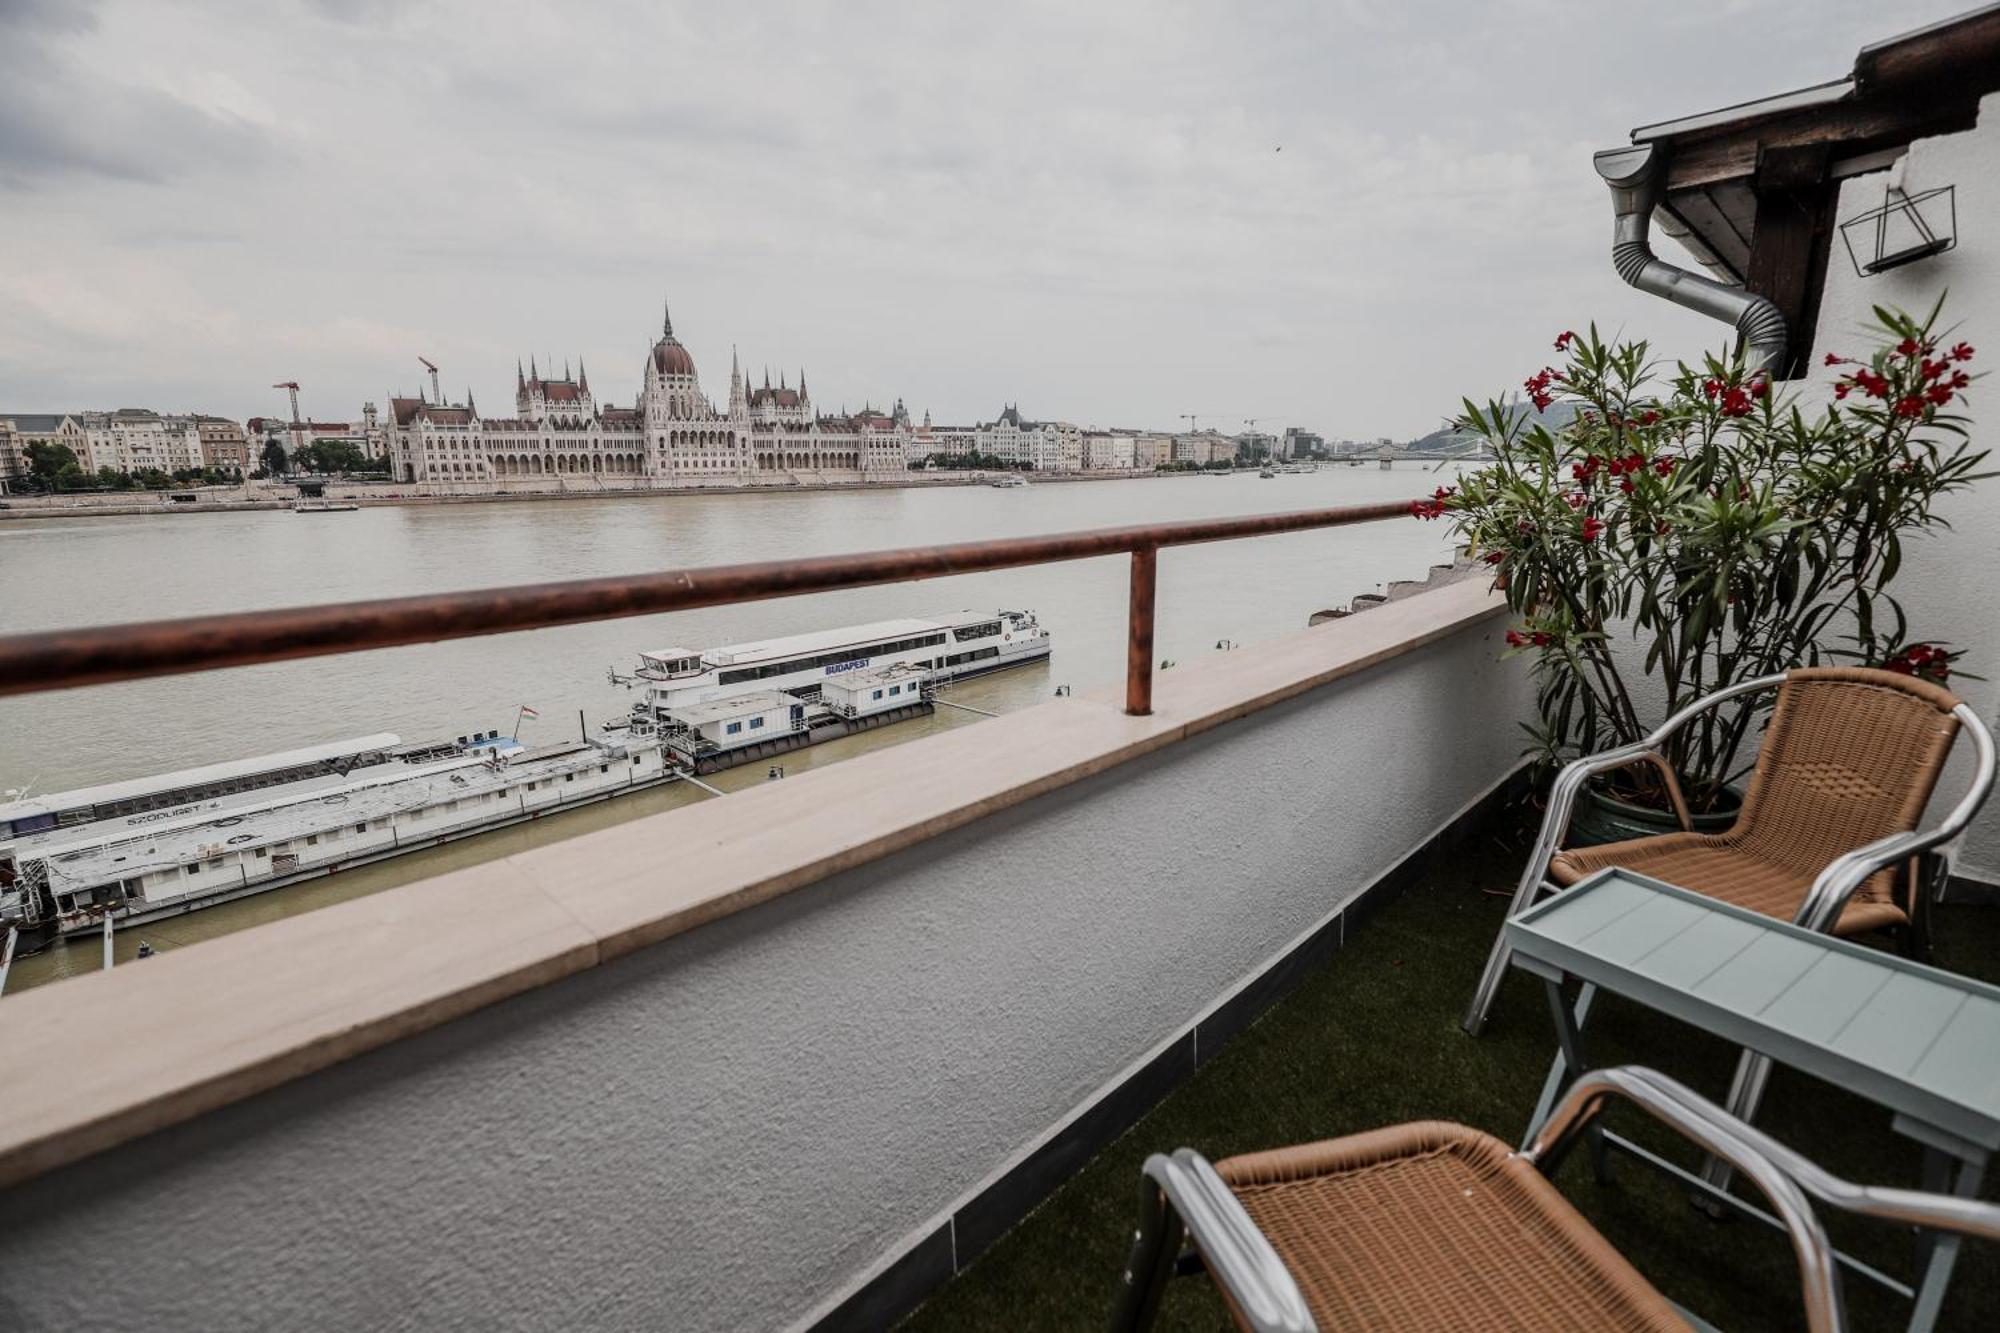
[673, 435]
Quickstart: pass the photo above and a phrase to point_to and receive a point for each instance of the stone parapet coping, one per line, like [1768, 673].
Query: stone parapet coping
[97, 1060]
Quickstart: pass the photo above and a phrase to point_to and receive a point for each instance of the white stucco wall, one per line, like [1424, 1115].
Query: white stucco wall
[1947, 584]
[721, 1131]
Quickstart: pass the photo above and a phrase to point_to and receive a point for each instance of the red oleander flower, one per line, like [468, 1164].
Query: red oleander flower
[1577, 499]
[1516, 639]
[1962, 352]
[1627, 485]
[1908, 347]
[1736, 403]
[1664, 466]
[1563, 340]
[1959, 379]
[1711, 387]
[1760, 387]
[1933, 369]
[1649, 417]
[1840, 389]
[1537, 386]
[1592, 525]
[1494, 557]
[1909, 406]
[1539, 638]
[1835, 359]
[1870, 383]
[1939, 394]
[1928, 660]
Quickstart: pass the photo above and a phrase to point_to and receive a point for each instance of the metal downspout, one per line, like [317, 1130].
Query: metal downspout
[1634, 177]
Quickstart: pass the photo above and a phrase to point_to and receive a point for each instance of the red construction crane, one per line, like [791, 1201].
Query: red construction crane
[293, 386]
[437, 394]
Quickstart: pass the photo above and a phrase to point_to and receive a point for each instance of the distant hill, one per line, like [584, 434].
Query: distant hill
[1448, 439]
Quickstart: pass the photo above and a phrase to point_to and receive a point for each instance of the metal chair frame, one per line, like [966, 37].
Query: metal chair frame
[1830, 890]
[1181, 1195]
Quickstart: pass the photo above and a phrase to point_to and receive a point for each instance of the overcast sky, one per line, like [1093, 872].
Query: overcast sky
[1082, 207]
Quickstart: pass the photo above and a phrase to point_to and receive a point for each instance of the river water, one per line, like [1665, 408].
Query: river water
[107, 570]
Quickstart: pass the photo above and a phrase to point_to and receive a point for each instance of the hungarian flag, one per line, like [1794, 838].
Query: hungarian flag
[528, 712]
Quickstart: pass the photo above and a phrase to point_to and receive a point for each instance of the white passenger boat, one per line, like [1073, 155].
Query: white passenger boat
[156, 847]
[969, 643]
[162, 846]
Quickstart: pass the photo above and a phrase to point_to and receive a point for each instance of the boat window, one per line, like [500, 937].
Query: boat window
[756, 722]
[985, 631]
[192, 870]
[263, 851]
[732, 728]
[876, 695]
[360, 828]
[312, 839]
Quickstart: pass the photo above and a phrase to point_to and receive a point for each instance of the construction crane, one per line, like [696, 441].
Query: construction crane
[293, 387]
[1193, 425]
[1269, 452]
[437, 394]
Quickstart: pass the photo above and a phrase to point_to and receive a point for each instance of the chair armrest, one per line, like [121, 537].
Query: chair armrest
[1721, 1135]
[1708, 701]
[1563, 792]
[1848, 872]
[1238, 1256]
[1938, 1212]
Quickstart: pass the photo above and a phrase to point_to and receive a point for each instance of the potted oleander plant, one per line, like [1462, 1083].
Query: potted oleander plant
[1662, 535]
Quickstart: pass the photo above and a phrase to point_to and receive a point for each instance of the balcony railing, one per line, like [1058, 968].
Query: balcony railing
[68, 658]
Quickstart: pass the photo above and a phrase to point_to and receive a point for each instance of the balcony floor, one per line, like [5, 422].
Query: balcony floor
[1372, 1038]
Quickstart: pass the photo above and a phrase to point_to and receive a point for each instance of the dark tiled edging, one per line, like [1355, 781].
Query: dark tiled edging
[1969, 889]
[905, 1282]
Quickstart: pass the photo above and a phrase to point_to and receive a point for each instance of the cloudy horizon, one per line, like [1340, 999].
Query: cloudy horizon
[1340, 216]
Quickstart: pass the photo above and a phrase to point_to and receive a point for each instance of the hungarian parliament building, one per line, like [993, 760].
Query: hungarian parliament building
[673, 436]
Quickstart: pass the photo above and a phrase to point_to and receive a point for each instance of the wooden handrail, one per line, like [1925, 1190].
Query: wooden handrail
[68, 658]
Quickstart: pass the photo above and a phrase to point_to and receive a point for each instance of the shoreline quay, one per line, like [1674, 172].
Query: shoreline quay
[38, 507]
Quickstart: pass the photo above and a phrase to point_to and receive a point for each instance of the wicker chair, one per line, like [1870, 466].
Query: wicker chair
[1826, 837]
[1431, 1227]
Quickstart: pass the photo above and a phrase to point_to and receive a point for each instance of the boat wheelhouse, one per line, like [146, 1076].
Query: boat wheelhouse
[966, 644]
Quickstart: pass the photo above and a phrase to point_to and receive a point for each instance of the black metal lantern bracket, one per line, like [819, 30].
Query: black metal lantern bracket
[1906, 228]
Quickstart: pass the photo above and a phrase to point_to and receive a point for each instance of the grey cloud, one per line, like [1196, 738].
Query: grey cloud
[47, 15]
[62, 117]
[1076, 206]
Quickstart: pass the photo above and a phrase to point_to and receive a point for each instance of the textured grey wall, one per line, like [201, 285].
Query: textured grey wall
[719, 1132]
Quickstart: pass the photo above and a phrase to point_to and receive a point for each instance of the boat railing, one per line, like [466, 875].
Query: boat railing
[69, 658]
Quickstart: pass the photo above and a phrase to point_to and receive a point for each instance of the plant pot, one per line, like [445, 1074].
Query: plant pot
[1600, 817]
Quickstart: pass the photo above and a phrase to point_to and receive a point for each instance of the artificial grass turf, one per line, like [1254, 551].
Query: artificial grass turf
[1372, 1038]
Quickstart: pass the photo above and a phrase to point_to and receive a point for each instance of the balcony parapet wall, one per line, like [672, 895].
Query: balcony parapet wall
[729, 1060]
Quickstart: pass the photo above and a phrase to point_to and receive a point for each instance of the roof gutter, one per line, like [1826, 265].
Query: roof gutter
[1634, 177]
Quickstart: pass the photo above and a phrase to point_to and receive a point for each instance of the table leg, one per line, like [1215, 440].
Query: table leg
[1746, 1093]
[1944, 1246]
[1569, 1051]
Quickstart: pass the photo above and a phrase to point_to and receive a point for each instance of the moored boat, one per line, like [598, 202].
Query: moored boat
[162, 846]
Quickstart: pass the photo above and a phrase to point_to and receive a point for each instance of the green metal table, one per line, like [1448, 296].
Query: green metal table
[1920, 1041]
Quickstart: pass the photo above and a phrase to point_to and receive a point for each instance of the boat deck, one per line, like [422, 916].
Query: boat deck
[315, 810]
